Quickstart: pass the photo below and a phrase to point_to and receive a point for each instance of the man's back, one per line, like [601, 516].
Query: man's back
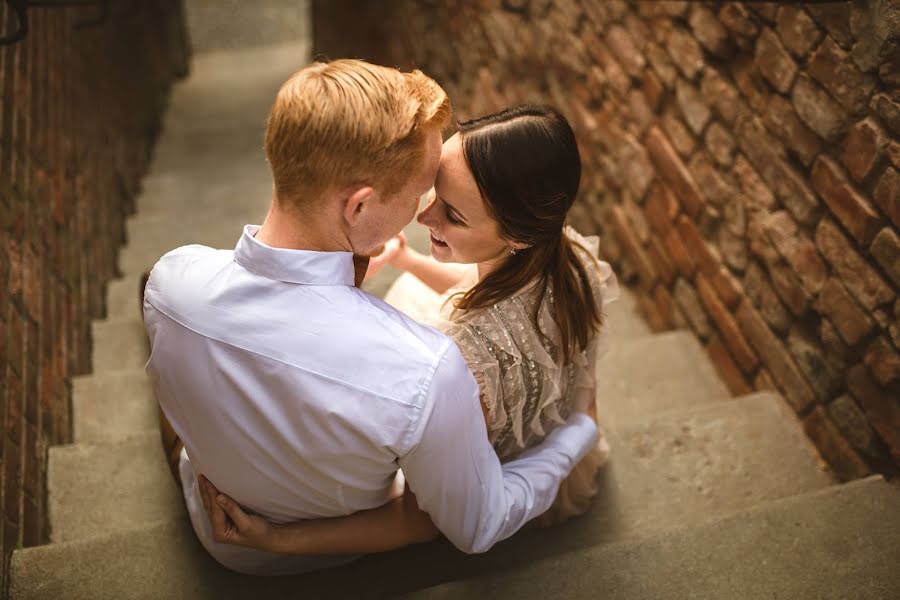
[291, 389]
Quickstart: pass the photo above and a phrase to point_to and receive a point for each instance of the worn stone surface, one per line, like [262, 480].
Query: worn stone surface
[850, 207]
[849, 418]
[860, 279]
[863, 146]
[798, 32]
[886, 250]
[887, 195]
[817, 109]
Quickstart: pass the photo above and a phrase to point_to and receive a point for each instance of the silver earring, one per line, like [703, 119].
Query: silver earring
[512, 251]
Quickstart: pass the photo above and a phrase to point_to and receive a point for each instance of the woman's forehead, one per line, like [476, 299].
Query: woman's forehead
[454, 180]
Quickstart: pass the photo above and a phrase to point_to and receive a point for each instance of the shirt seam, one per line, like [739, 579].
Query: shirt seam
[416, 430]
[293, 366]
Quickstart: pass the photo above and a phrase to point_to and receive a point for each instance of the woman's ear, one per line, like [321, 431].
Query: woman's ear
[357, 201]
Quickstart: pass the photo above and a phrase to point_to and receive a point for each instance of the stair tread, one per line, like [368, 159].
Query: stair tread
[99, 488]
[112, 405]
[680, 467]
[840, 542]
[653, 374]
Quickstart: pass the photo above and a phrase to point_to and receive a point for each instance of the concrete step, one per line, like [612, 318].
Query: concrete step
[834, 544]
[122, 297]
[674, 469]
[99, 488]
[659, 373]
[841, 542]
[119, 343]
[112, 406]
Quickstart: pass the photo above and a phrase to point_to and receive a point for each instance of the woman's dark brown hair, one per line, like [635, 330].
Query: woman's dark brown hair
[526, 164]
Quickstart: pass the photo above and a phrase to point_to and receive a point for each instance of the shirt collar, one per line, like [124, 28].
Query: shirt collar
[307, 267]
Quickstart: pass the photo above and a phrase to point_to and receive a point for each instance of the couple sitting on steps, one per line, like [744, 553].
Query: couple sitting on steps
[462, 406]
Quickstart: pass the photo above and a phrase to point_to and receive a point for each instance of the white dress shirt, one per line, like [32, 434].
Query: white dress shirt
[300, 396]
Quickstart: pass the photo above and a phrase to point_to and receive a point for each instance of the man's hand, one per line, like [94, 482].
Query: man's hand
[231, 524]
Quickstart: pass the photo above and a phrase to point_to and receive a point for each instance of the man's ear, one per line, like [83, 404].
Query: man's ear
[357, 202]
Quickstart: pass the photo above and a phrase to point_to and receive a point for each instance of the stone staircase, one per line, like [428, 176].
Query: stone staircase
[706, 496]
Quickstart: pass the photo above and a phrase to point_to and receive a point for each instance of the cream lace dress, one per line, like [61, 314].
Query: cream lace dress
[526, 389]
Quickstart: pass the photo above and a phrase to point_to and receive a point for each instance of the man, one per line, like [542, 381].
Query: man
[296, 393]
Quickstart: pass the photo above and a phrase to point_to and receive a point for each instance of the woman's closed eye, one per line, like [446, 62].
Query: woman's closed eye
[452, 216]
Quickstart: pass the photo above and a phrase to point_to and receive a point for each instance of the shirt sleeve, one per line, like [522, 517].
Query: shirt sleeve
[456, 475]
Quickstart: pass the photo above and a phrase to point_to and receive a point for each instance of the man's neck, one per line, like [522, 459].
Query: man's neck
[282, 230]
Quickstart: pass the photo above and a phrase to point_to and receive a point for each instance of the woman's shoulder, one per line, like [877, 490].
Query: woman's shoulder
[600, 273]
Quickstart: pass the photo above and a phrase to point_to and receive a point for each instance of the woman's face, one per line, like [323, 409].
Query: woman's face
[461, 229]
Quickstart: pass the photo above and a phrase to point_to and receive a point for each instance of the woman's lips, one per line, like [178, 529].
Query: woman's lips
[438, 242]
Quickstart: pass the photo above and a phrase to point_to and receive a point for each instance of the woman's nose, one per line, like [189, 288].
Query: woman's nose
[426, 217]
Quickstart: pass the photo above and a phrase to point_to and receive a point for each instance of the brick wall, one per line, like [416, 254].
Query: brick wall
[741, 166]
[79, 112]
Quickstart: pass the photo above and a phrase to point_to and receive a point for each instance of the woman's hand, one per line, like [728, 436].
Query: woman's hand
[392, 253]
[231, 524]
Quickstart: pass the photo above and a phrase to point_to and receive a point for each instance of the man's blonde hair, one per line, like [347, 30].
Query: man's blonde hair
[350, 122]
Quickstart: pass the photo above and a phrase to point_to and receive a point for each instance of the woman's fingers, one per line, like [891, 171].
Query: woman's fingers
[237, 515]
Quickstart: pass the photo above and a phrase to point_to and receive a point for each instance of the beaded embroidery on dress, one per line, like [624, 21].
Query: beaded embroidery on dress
[526, 388]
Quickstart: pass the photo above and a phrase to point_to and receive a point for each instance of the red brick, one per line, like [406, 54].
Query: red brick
[623, 47]
[888, 110]
[678, 133]
[687, 300]
[796, 29]
[764, 298]
[727, 326]
[781, 120]
[885, 249]
[720, 94]
[718, 186]
[893, 153]
[848, 317]
[822, 374]
[774, 356]
[727, 287]
[850, 419]
[839, 455]
[653, 89]
[789, 288]
[797, 250]
[661, 64]
[887, 195]
[750, 82]
[880, 406]
[726, 367]
[848, 205]
[739, 20]
[816, 108]
[720, 144]
[635, 165]
[834, 70]
[678, 252]
[757, 194]
[883, 362]
[700, 250]
[863, 146]
[696, 113]
[834, 17]
[670, 314]
[685, 52]
[673, 171]
[651, 314]
[766, 155]
[858, 277]
[633, 246]
[709, 32]
[775, 64]
[660, 207]
[662, 263]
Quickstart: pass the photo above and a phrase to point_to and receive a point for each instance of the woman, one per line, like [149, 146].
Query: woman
[519, 293]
